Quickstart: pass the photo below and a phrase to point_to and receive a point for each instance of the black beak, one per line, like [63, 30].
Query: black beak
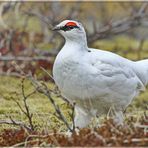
[56, 28]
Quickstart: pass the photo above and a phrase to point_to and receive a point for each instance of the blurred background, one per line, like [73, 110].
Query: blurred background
[27, 39]
[28, 44]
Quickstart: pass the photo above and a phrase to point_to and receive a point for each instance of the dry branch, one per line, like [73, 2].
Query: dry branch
[24, 109]
[56, 90]
[13, 74]
[16, 123]
[120, 26]
[12, 58]
[41, 17]
[42, 88]
[136, 140]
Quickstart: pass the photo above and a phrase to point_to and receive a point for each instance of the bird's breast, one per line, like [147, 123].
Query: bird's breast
[64, 72]
[71, 77]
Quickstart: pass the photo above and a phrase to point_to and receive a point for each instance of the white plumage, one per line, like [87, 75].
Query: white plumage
[96, 80]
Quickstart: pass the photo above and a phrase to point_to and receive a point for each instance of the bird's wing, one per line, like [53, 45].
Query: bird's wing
[111, 75]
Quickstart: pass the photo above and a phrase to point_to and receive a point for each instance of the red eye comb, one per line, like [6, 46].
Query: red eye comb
[71, 24]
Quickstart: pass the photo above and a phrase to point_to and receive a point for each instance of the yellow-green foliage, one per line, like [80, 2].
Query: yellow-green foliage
[125, 46]
[39, 105]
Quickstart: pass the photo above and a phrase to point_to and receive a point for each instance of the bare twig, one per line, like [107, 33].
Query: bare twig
[42, 88]
[56, 90]
[27, 111]
[5, 7]
[139, 49]
[16, 123]
[41, 17]
[13, 74]
[12, 58]
[47, 73]
[72, 116]
[143, 8]
[120, 26]
[136, 140]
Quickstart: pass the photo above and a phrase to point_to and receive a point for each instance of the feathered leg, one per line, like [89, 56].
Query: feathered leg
[82, 118]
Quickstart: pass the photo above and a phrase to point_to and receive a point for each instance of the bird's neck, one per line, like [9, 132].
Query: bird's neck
[77, 43]
[73, 50]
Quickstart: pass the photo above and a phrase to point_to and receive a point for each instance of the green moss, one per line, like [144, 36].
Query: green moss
[39, 105]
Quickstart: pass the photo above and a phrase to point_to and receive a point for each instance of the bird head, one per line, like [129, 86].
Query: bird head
[71, 30]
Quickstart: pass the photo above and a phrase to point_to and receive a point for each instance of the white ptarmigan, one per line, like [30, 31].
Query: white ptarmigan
[96, 80]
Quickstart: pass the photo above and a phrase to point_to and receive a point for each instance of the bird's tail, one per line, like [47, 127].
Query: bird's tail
[142, 70]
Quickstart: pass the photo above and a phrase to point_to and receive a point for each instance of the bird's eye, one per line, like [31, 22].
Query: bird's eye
[71, 27]
[68, 28]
